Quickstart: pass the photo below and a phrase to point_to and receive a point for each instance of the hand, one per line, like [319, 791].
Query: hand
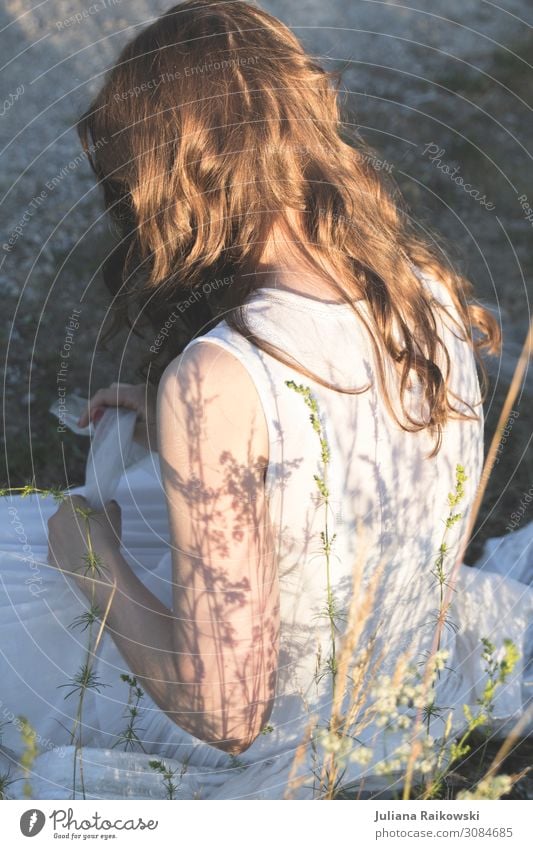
[139, 397]
[68, 544]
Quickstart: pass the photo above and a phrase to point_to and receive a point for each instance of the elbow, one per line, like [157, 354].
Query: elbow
[234, 741]
[248, 732]
[236, 736]
[234, 745]
[231, 728]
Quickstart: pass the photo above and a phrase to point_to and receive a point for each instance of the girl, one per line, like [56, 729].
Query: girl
[311, 403]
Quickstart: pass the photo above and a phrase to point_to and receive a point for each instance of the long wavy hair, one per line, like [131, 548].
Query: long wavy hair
[213, 126]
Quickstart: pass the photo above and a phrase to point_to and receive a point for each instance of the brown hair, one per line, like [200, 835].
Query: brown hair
[211, 126]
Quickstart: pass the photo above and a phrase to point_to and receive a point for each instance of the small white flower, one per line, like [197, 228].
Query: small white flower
[440, 658]
[361, 755]
[489, 788]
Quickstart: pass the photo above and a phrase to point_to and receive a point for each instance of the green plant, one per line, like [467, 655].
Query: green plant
[130, 736]
[453, 517]
[327, 540]
[422, 761]
[171, 787]
[85, 678]
[30, 752]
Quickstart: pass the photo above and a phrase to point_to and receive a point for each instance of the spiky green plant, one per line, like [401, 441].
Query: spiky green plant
[327, 539]
[429, 758]
[30, 752]
[169, 775]
[129, 738]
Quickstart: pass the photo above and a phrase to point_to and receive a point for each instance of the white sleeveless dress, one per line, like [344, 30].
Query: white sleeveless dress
[388, 500]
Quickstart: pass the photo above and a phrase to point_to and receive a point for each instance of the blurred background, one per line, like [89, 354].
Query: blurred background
[440, 90]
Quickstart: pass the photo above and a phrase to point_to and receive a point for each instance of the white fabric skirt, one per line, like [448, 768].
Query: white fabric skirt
[40, 652]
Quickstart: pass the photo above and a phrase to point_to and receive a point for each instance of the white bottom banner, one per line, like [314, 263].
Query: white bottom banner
[239, 824]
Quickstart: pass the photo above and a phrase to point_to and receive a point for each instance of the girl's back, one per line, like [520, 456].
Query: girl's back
[373, 493]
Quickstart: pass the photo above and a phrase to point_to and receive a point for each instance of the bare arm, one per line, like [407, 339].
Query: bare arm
[214, 448]
[211, 662]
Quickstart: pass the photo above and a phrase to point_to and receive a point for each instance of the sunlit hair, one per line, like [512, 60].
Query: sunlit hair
[213, 125]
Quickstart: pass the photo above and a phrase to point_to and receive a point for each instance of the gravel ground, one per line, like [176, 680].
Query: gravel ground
[451, 74]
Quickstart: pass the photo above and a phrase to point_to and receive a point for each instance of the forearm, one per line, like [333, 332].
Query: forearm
[142, 628]
[147, 634]
[189, 659]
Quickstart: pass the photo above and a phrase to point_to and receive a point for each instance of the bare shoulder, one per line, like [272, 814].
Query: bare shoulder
[208, 389]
